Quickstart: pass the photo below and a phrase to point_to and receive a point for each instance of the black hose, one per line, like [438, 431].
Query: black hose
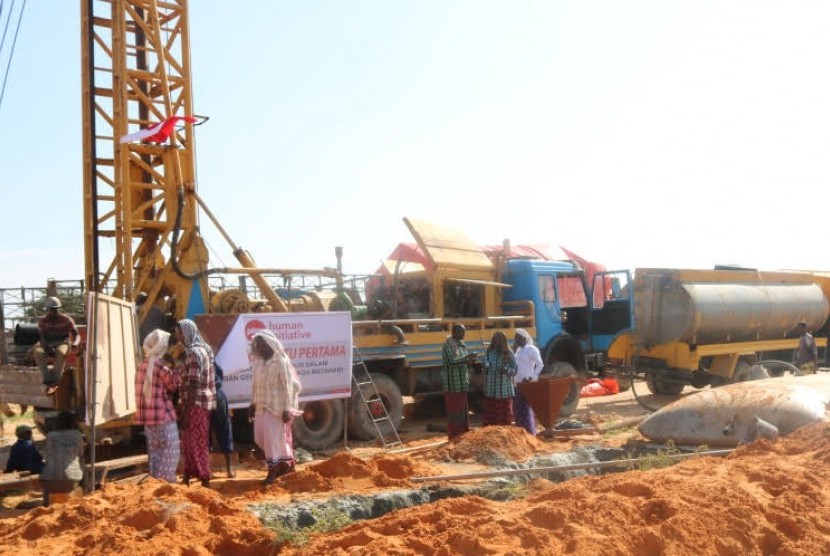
[631, 375]
[174, 243]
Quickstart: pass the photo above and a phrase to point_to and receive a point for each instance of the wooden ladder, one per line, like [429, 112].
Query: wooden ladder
[372, 401]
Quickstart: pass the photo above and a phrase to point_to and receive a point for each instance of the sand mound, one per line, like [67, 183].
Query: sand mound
[513, 443]
[344, 470]
[763, 499]
[151, 518]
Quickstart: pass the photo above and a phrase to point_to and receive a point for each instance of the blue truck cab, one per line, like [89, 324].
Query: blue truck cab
[567, 309]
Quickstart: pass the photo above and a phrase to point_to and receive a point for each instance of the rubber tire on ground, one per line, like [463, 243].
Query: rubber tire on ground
[320, 425]
[360, 424]
[571, 401]
[661, 388]
[624, 381]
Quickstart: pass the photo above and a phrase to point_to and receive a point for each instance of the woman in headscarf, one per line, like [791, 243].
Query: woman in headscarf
[499, 369]
[155, 385]
[275, 394]
[529, 363]
[198, 398]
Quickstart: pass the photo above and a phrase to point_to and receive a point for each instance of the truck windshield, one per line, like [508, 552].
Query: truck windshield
[611, 286]
[571, 291]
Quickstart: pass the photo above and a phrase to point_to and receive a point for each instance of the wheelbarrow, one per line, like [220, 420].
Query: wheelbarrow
[546, 395]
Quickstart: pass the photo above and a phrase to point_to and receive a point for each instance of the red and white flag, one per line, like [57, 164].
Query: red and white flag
[159, 133]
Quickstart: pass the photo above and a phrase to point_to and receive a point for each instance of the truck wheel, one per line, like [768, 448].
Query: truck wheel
[241, 427]
[361, 425]
[663, 388]
[320, 425]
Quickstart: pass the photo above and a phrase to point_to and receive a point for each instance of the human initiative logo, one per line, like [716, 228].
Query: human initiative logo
[252, 327]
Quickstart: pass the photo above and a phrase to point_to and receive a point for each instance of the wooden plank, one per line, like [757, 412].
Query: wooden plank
[119, 463]
[19, 375]
[37, 389]
[36, 400]
[20, 483]
[23, 385]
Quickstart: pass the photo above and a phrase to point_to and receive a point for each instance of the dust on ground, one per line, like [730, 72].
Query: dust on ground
[763, 499]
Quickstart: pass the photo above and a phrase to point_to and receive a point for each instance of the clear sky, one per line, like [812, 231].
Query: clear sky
[676, 134]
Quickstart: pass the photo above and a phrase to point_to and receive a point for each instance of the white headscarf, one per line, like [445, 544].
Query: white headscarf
[524, 334]
[284, 364]
[155, 344]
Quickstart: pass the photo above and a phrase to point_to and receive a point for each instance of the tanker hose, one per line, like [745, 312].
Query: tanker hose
[632, 375]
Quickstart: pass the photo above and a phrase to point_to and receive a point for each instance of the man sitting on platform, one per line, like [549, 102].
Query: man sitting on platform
[57, 331]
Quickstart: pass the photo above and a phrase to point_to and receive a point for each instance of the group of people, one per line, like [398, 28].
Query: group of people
[503, 369]
[179, 402]
[182, 430]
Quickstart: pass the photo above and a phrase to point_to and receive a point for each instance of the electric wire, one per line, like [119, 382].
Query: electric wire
[11, 52]
[6, 27]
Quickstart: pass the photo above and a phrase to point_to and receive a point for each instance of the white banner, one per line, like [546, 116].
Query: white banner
[319, 345]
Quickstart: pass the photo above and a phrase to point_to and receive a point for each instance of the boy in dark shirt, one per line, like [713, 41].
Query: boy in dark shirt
[23, 455]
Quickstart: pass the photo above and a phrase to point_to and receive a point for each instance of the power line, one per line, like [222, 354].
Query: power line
[11, 52]
[6, 28]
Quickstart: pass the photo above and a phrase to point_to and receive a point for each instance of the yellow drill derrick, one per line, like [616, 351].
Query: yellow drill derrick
[141, 206]
[136, 73]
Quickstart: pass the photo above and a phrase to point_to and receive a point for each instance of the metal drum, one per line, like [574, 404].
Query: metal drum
[26, 334]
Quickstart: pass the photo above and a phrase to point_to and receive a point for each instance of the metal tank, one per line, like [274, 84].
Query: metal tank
[705, 307]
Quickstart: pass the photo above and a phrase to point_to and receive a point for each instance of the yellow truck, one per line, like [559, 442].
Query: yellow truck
[708, 327]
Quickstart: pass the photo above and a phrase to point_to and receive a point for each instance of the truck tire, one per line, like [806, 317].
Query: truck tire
[320, 425]
[360, 424]
[624, 380]
[663, 388]
[571, 401]
[566, 349]
[241, 427]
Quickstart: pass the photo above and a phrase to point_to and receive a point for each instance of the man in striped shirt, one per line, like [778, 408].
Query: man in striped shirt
[455, 375]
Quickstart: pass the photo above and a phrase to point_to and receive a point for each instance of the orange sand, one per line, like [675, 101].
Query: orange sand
[764, 499]
[512, 442]
[344, 471]
[154, 518]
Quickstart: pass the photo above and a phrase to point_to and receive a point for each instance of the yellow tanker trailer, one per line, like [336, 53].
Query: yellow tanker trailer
[708, 327]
